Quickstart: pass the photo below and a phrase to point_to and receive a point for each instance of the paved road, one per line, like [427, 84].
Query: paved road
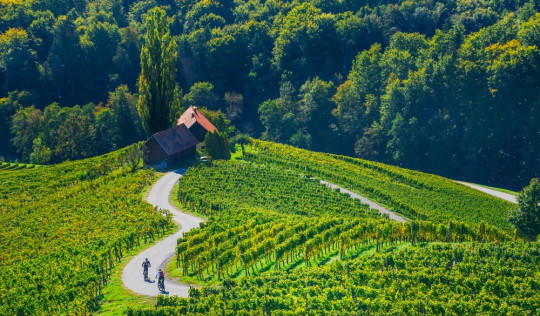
[160, 253]
[499, 194]
[371, 204]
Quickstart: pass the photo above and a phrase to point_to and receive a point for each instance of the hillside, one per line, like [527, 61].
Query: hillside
[64, 228]
[275, 240]
[278, 241]
[414, 194]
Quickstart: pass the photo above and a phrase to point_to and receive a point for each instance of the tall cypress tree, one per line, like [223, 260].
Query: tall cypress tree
[159, 94]
[217, 145]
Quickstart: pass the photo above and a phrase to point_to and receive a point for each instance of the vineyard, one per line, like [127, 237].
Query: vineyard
[414, 194]
[437, 279]
[266, 218]
[64, 228]
[5, 166]
[277, 241]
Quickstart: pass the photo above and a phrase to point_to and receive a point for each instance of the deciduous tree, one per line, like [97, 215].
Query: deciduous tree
[159, 94]
[526, 218]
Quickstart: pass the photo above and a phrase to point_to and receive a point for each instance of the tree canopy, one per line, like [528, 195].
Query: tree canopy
[445, 88]
[526, 218]
[159, 94]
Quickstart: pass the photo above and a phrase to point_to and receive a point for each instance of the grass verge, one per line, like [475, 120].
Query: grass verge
[497, 189]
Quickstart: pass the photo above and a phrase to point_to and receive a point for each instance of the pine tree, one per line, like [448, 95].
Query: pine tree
[159, 94]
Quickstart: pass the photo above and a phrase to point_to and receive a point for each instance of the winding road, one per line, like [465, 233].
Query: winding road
[163, 251]
[362, 199]
[501, 195]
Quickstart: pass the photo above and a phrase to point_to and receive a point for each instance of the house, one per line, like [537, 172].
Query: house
[196, 122]
[169, 147]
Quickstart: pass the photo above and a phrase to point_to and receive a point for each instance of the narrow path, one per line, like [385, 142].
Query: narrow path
[162, 252]
[371, 204]
[499, 194]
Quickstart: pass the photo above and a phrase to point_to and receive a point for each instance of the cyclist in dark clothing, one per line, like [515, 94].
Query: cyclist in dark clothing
[146, 264]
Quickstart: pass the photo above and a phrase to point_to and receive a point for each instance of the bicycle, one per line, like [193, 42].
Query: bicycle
[161, 284]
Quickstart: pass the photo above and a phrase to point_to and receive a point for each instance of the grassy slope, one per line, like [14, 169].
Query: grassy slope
[60, 221]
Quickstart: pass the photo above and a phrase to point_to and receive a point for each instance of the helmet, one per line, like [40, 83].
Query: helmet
[159, 269]
[146, 259]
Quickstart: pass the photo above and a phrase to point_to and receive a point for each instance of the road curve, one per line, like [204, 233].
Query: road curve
[371, 204]
[162, 252]
[499, 194]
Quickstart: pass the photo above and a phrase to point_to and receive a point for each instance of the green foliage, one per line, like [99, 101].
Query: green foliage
[133, 157]
[217, 145]
[127, 123]
[62, 234]
[201, 94]
[18, 63]
[435, 279]
[526, 218]
[219, 120]
[26, 125]
[78, 132]
[414, 194]
[337, 74]
[41, 154]
[159, 94]
[242, 140]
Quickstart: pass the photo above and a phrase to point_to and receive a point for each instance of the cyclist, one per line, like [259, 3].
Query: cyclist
[146, 264]
[161, 280]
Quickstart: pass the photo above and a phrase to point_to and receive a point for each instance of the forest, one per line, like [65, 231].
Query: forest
[445, 87]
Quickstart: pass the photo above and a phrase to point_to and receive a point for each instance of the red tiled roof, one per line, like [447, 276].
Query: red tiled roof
[191, 115]
[176, 139]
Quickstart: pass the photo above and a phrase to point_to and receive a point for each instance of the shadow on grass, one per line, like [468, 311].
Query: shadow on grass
[294, 265]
